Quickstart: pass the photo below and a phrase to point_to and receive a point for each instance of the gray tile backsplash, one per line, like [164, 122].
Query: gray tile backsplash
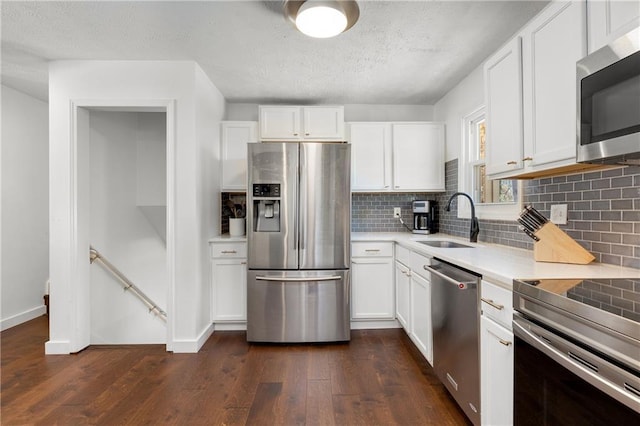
[374, 212]
[603, 212]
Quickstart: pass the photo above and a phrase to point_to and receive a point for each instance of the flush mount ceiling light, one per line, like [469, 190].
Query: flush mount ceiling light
[320, 18]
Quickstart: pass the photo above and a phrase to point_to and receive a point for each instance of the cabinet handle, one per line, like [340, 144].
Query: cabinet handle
[512, 163]
[492, 303]
[527, 159]
[295, 134]
[502, 341]
[375, 250]
[397, 186]
[307, 134]
[243, 263]
[386, 186]
[228, 252]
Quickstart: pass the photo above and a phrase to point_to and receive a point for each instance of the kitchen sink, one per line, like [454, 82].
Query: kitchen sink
[444, 244]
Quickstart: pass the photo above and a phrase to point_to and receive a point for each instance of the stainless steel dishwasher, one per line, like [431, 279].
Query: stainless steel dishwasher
[455, 313]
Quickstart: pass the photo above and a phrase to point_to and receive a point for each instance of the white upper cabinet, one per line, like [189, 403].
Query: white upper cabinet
[552, 44]
[418, 156]
[233, 153]
[397, 156]
[370, 156]
[323, 122]
[530, 93]
[296, 123]
[503, 98]
[610, 19]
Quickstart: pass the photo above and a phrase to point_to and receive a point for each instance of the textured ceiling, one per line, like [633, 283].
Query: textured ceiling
[399, 52]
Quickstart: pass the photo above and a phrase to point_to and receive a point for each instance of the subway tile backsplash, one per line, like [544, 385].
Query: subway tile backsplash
[373, 212]
[603, 212]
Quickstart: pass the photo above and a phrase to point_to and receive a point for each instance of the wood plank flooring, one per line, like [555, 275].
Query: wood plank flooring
[379, 378]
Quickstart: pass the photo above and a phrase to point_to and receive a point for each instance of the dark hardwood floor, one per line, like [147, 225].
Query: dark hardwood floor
[379, 378]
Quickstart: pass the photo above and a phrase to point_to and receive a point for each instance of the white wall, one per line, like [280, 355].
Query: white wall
[178, 85]
[459, 102]
[25, 207]
[352, 112]
[120, 231]
[210, 109]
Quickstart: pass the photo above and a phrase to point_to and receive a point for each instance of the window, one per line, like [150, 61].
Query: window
[494, 199]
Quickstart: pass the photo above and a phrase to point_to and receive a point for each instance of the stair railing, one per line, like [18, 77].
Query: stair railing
[126, 283]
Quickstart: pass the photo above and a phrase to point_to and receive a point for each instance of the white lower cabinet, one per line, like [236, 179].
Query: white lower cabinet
[420, 323]
[496, 355]
[496, 373]
[403, 295]
[228, 282]
[372, 284]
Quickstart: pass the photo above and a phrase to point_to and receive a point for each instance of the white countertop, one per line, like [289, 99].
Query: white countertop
[226, 238]
[497, 263]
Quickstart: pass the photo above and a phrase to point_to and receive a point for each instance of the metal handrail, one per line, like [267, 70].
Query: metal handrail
[127, 284]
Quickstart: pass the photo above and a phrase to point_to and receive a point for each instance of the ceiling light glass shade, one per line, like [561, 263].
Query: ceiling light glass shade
[320, 19]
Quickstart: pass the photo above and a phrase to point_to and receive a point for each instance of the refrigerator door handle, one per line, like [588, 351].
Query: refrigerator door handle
[299, 279]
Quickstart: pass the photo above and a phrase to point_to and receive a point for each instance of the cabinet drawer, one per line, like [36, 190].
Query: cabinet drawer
[496, 303]
[417, 263]
[371, 249]
[402, 255]
[229, 250]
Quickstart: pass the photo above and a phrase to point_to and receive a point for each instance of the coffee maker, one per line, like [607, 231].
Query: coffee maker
[424, 217]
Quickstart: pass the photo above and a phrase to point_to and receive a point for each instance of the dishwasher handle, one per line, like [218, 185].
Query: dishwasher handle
[462, 285]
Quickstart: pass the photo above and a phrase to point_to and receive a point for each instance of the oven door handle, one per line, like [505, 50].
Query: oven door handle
[585, 373]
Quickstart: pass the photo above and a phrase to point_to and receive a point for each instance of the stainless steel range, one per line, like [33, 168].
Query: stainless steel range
[577, 351]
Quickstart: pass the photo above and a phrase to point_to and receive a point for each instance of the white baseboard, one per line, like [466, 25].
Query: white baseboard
[230, 326]
[59, 347]
[192, 346]
[22, 317]
[373, 324]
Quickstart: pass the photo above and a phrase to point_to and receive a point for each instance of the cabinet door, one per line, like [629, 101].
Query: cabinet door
[280, 123]
[233, 153]
[229, 290]
[403, 295]
[323, 122]
[418, 157]
[496, 373]
[503, 97]
[372, 291]
[552, 44]
[370, 156]
[610, 19]
[421, 329]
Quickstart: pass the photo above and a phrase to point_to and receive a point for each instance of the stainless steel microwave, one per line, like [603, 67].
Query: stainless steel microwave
[608, 104]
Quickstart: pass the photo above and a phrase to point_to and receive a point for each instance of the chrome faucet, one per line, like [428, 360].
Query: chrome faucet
[475, 228]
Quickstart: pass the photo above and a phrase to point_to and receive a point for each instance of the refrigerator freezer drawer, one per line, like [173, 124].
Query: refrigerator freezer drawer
[298, 306]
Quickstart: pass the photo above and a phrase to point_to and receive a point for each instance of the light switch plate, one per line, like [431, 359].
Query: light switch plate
[559, 214]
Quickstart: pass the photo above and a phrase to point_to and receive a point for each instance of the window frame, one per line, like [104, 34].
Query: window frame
[487, 211]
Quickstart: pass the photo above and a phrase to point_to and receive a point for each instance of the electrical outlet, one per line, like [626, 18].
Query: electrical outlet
[559, 214]
[396, 212]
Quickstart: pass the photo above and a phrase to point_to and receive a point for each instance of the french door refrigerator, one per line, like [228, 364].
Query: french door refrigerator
[298, 237]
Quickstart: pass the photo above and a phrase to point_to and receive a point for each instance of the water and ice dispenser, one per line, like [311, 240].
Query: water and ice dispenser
[266, 207]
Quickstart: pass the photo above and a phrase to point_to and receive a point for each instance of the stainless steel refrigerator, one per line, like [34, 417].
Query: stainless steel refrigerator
[298, 236]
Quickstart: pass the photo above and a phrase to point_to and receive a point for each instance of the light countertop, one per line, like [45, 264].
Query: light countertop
[226, 238]
[497, 263]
